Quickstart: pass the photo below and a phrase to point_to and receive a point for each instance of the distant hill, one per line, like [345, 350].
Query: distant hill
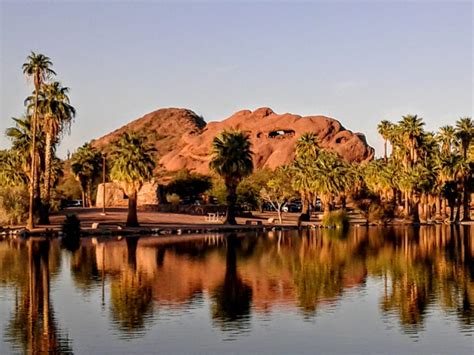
[183, 139]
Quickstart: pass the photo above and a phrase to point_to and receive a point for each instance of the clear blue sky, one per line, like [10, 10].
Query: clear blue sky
[359, 62]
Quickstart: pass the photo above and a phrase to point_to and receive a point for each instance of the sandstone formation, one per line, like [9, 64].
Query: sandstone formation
[163, 128]
[273, 138]
[182, 139]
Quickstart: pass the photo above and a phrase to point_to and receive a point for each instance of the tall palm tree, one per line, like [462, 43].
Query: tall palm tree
[133, 165]
[57, 113]
[232, 160]
[37, 67]
[465, 134]
[385, 130]
[86, 164]
[411, 128]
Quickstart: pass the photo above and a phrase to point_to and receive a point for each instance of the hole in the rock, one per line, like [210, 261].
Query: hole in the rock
[281, 133]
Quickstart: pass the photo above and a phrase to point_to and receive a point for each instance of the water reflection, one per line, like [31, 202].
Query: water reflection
[232, 298]
[311, 272]
[33, 327]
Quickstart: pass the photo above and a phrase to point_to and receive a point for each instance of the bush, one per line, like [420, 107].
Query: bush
[13, 205]
[174, 199]
[380, 213]
[335, 219]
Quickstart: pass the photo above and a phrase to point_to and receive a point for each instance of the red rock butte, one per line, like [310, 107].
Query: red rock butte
[183, 140]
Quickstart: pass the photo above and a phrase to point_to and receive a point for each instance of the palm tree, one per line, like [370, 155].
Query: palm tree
[446, 137]
[411, 128]
[330, 177]
[465, 134]
[133, 165]
[57, 113]
[22, 141]
[385, 130]
[38, 67]
[232, 160]
[307, 150]
[86, 164]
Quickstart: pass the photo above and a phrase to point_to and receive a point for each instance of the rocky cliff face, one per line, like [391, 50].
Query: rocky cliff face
[183, 140]
[273, 138]
[164, 129]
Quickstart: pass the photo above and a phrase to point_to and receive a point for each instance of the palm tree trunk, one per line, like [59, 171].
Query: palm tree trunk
[304, 207]
[231, 201]
[45, 205]
[406, 208]
[88, 195]
[458, 210]
[465, 201]
[444, 208]
[31, 208]
[385, 150]
[438, 216]
[132, 218]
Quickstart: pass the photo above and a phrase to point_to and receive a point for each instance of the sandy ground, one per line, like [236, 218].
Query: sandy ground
[118, 216]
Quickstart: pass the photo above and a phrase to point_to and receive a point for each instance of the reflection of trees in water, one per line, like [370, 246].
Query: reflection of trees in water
[131, 295]
[33, 326]
[84, 270]
[232, 299]
[320, 265]
[424, 267]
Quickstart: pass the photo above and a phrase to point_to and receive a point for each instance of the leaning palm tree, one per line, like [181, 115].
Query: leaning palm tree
[385, 130]
[232, 160]
[38, 67]
[133, 165]
[57, 113]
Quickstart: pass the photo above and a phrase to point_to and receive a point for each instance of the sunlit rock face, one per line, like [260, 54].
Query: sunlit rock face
[114, 195]
[273, 138]
[183, 140]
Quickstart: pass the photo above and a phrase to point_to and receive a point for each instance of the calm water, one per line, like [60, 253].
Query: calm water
[365, 291]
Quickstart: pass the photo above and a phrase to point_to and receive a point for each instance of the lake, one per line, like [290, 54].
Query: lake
[365, 290]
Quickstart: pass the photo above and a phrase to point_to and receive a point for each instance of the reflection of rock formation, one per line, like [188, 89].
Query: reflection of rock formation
[33, 327]
[431, 265]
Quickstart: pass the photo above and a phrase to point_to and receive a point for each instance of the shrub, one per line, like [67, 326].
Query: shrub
[335, 219]
[174, 199]
[13, 205]
[380, 213]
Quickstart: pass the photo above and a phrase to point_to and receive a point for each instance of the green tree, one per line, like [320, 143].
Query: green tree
[86, 165]
[278, 190]
[57, 114]
[307, 150]
[37, 67]
[132, 166]
[232, 160]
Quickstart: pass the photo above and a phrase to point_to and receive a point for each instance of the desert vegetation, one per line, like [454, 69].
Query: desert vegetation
[422, 177]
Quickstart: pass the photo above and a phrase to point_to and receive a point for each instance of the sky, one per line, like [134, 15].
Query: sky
[358, 62]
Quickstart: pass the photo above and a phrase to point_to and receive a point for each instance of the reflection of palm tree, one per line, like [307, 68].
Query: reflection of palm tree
[132, 243]
[233, 298]
[131, 294]
[34, 327]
